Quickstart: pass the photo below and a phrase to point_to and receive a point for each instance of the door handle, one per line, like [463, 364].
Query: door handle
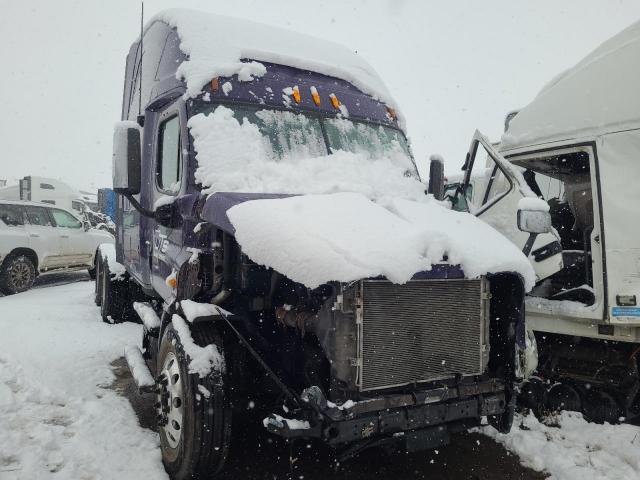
[64, 236]
[34, 235]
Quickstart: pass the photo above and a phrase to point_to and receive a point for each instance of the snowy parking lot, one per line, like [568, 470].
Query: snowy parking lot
[63, 415]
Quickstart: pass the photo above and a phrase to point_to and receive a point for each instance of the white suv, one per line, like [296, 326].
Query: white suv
[38, 238]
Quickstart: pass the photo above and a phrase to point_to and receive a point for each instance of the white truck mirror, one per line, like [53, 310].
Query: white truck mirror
[127, 154]
[534, 221]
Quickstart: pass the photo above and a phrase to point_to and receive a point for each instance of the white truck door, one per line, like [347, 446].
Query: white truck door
[77, 246]
[43, 238]
[491, 189]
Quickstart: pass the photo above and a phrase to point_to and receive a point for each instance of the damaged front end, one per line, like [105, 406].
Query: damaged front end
[407, 364]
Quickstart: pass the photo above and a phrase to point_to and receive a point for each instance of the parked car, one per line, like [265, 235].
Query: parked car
[36, 238]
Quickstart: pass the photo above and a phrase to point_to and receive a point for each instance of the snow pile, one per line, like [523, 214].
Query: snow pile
[147, 314]
[559, 307]
[201, 359]
[193, 310]
[574, 449]
[216, 45]
[598, 94]
[533, 203]
[234, 156]
[59, 418]
[108, 254]
[279, 422]
[346, 237]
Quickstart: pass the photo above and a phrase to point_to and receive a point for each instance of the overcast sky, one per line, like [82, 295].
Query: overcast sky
[453, 66]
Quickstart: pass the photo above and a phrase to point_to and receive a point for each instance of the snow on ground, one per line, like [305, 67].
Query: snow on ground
[570, 448]
[58, 417]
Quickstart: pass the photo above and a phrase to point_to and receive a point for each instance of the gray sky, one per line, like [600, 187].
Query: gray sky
[452, 66]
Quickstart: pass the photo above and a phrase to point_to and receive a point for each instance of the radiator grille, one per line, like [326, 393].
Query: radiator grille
[421, 331]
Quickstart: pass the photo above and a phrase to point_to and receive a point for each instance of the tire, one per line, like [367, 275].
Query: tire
[17, 274]
[97, 291]
[199, 447]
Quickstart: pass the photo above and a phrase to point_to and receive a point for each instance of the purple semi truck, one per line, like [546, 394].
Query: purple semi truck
[242, 317]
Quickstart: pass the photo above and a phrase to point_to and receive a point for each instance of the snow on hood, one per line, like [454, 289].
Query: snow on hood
[217, 44]
[314, 239]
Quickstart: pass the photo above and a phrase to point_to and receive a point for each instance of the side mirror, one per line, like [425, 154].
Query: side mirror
[127, 153]
[86, 225]
[534, 221]
[436, 177]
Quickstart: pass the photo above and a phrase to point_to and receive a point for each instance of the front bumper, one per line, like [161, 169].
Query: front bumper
[390, 416]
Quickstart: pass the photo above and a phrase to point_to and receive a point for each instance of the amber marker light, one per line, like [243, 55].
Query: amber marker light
[392, 113]
[315, 95]
[296, 94]
[214, 85]
[172, 282]
[334, 101]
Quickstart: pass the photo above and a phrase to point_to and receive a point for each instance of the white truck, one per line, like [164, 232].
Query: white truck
[577, 145]
[36, 238]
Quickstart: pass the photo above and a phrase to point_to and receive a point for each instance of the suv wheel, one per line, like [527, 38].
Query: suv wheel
[194, 415]
[17, 274]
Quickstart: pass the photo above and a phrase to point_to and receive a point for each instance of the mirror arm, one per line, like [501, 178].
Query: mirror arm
[529, 245]
[143, 211]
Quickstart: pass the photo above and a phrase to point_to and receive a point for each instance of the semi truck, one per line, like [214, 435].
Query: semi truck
[576, 145]
[261, 241]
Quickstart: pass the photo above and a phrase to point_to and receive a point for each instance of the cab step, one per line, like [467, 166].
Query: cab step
[139, 370]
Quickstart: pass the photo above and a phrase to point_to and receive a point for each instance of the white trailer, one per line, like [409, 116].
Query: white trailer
[47, 190]
[578, 146]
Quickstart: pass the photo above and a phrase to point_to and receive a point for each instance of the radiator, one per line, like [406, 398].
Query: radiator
[421, 331]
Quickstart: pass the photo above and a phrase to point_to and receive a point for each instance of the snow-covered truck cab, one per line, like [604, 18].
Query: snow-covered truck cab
[286, 259]
[576, 145]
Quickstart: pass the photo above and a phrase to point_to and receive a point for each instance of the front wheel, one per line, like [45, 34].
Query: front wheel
[17, 274]
[194, 415]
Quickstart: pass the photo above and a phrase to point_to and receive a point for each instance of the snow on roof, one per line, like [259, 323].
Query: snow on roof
[599, 94]
[216, 44]
[345, 237]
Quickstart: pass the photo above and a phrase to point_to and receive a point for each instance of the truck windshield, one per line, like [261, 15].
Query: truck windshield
[358, 137]
[291, 135]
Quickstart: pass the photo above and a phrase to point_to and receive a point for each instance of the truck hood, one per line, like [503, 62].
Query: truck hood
[217, 204]
[314, 239]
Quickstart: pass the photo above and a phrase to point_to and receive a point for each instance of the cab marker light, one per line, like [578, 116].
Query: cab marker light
[215, 84]
[334, 101]
[315, 95]
[296, 94]
[391, 112]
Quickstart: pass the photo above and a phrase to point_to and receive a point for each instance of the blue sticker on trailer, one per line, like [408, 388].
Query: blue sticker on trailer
[626, 311]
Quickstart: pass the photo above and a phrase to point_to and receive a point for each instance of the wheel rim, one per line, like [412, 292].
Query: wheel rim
[20, 275]
[171, 400]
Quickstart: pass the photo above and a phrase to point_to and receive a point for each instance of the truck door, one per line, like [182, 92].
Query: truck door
[168, 184]
[491, 190]
[76, 246]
